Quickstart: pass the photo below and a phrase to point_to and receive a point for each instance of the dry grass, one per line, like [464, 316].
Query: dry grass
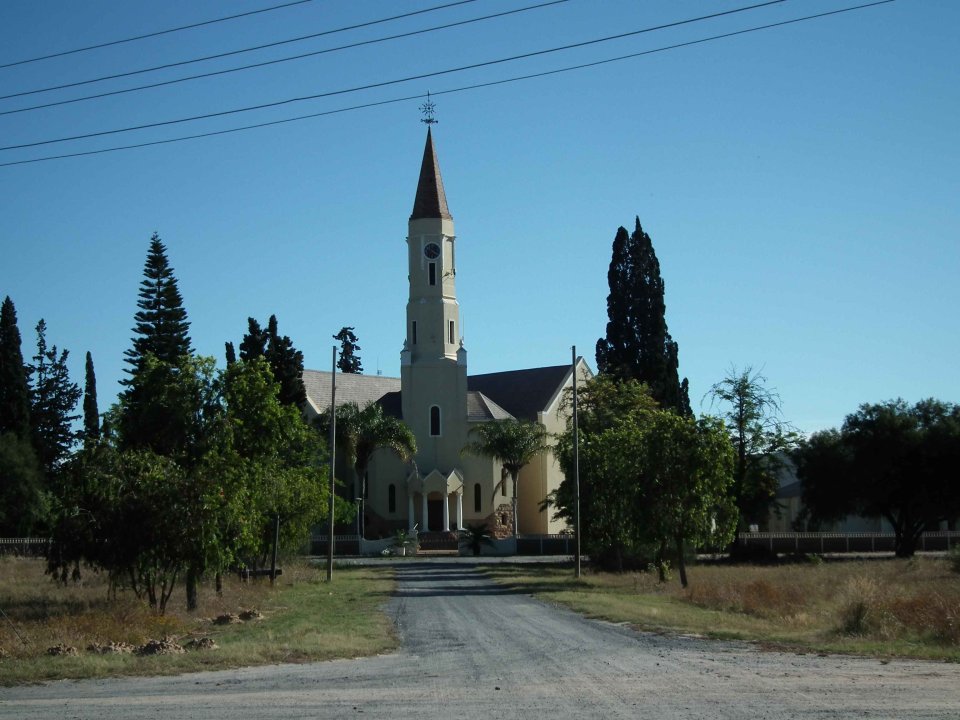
[302, 619]
[884, 607]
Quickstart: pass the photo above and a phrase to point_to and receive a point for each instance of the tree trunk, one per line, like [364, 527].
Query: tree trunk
[661, 562]
[516, 519]
[191, 583]
[681, 563]
[218, 580]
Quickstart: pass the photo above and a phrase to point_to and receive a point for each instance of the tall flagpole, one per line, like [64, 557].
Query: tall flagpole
[333, 457]
[576, 468]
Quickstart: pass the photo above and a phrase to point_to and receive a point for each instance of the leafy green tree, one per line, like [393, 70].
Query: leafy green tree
[760, 438]
[512, 443]
[361, 432]
[242, 459]
[172, 409]
[24, 504]
[53, 399]
[14, 391]
[613, 417]
[637, 344]
[889, 460]
[650, 479]
[349, 361]
[91, 413]
[686, 473]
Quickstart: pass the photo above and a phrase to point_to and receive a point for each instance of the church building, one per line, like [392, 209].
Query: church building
[442, 489]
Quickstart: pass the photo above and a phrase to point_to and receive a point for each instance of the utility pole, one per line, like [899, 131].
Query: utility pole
[333, 458]
[576, 469]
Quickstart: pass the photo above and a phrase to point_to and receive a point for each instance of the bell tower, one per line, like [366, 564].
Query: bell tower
[433, 363]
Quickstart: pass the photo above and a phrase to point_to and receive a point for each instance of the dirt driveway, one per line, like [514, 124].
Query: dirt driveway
[474, 651]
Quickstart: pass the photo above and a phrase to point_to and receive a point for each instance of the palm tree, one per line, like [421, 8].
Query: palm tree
[514, 443]
[360, 433]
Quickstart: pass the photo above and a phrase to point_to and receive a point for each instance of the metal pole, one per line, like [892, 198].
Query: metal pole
[276, 541]
[576, 468]
[333, 457]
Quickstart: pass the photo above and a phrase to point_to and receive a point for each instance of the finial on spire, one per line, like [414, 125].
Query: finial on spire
[429, 110]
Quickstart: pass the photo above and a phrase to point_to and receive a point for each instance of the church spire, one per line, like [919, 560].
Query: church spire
[431, 201]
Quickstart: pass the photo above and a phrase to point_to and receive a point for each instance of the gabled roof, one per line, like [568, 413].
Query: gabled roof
[351, 388]
[431, 200]
[522, 393]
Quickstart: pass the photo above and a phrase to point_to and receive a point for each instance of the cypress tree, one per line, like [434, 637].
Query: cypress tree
[349, 361]
[286, 362]
[254, 343]
[53, 400]
[287, 365]
[231, 353]
[91, 413]
[637, 344]
[14, 392]
[161, 322]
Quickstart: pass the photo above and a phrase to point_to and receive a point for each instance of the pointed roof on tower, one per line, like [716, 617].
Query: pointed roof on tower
[431, 201]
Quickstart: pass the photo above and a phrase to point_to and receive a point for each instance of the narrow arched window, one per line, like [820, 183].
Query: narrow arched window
[477, 500]
[392, 498]
[435, 421]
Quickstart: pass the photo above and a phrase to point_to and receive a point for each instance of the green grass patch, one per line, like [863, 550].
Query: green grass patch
[303, 618]
[888, 608]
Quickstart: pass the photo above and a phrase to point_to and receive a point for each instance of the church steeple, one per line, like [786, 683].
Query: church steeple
[431, 200]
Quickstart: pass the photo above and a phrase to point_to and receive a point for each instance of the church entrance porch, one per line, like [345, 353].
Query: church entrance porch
[435, 503]
[435, 513]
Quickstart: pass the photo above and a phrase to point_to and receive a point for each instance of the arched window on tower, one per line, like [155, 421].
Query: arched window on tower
[477, 499]
[435, 421]
[392, 499]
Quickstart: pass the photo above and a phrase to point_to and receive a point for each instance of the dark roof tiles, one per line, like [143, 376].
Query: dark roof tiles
[431, 201]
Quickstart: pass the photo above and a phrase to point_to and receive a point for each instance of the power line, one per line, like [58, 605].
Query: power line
[153, 34]
[396, 81]
[286, 59]
[464, 88]
[235, 52]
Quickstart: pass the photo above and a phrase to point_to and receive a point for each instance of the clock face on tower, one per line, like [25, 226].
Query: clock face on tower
[431, 251]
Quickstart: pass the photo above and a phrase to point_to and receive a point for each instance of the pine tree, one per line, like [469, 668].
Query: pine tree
[91, 413]
[637, 344]
[53, 400]
[161, 322]
[14, 392]
[231, 353]
[349, 361]
[160, 348]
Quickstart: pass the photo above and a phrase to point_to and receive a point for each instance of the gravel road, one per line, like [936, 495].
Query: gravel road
[475, 651]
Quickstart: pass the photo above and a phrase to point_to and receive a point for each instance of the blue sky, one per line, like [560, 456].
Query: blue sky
[800, 184]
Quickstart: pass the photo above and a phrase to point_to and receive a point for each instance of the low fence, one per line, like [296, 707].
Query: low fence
[29, 547]
[864, 542]
[559, 544]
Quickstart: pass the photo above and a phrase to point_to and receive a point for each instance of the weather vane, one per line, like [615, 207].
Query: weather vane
[429, 109]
